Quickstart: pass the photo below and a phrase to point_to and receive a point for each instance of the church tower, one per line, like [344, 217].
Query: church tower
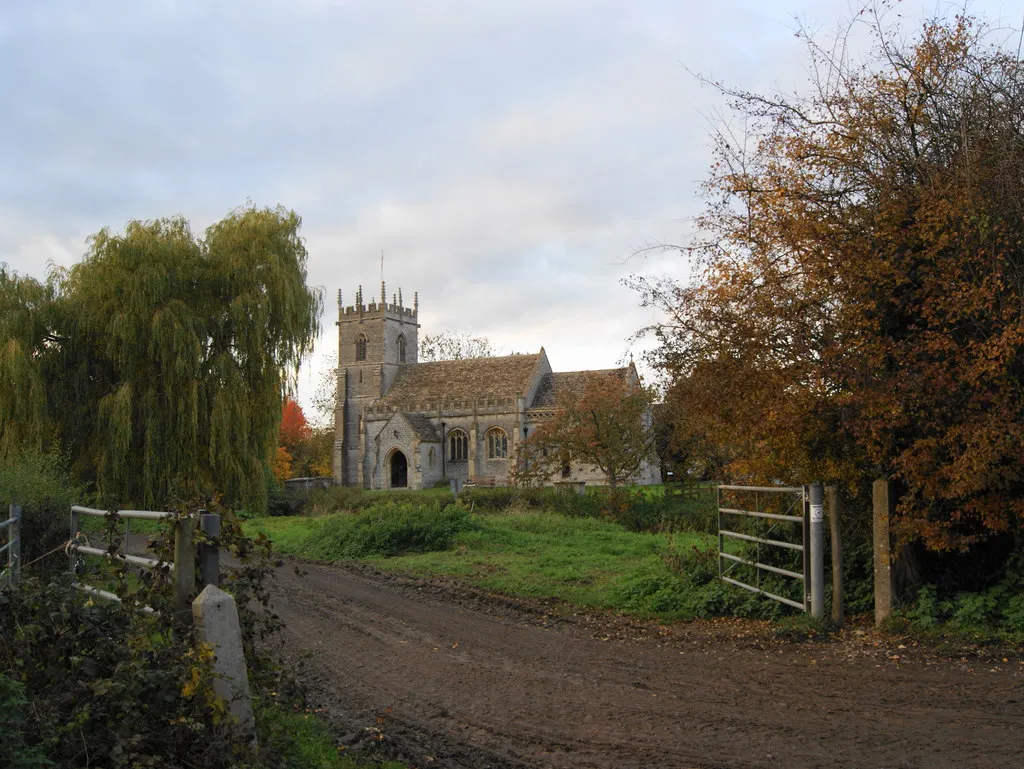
[374, 341]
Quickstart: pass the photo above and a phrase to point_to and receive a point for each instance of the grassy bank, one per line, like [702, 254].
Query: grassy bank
[586, 562]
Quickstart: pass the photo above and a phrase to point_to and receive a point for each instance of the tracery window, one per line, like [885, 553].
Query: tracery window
[401, 348]
[497, 444]
[458, 446]
[361, 347]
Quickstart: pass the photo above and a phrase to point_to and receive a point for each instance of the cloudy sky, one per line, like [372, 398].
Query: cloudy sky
[508, 157]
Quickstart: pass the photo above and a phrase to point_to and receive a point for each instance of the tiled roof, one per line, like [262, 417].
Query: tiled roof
[423, 427]
[462, 380]
[570, 381]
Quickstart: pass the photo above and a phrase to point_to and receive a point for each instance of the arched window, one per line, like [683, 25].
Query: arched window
[458, 446]
[497, 444]
[401, 348]
[430, 457]
[361, 347]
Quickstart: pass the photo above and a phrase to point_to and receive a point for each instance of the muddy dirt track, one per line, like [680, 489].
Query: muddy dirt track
[449, 677]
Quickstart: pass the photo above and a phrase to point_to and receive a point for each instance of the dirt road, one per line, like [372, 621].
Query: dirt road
[454, 678]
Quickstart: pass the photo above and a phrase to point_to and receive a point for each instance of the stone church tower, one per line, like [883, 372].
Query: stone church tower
[374, 341]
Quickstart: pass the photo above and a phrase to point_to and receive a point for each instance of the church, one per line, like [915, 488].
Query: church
[404, 424]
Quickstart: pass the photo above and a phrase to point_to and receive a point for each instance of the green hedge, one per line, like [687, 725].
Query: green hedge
[389, 527]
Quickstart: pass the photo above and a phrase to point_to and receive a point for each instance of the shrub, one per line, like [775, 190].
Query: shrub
[544, 498]
[40, 484]
[997, 609]
[106, 683]
[13, 708]
[389, 528]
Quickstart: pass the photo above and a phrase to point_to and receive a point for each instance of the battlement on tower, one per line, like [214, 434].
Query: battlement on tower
[379, 308]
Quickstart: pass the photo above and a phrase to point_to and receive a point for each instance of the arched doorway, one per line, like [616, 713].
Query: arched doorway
[399, 468]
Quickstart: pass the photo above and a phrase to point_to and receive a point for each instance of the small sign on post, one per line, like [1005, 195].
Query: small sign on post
[817, 551]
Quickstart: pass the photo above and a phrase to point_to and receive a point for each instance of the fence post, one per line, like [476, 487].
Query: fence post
[817, 551]
[882, 507]
[71, 545]
[209, 552]
[834, 514]
[184, 564]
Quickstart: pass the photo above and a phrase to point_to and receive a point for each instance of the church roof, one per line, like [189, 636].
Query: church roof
[509, 376]
[423, 426]
[574, 382]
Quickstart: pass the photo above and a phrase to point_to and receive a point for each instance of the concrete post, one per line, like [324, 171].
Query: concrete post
[209, 552]
[184, 563]
[216, 618]
[834, 515]
[817, 551]
[882, 504]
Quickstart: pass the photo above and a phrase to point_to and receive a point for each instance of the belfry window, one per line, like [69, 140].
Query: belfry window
[458, 446]
[497, 444]
[361, 347]
[401, 348]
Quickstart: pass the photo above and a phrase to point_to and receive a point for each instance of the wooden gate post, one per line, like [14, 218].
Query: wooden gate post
[883, 506]
[834, 514]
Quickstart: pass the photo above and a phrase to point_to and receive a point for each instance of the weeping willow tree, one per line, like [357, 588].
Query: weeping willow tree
[164, 357]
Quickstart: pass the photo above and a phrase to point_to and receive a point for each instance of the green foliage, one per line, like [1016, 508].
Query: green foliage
[389, 528]
[40, 484]
[995, 610]
[351, 499]
[636, 508]
[547, 498]
[691, 588]
[161, 358]
[106, 683]
[13, 709]
[25, 315]
[87, 682]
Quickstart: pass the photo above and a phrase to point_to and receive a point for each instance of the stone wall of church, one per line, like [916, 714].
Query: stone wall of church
[474, 422]
[430, 464]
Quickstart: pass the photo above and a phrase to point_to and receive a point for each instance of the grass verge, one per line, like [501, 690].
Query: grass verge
[585, 562]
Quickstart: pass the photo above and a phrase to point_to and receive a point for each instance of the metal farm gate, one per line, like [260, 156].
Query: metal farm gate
[775, 520]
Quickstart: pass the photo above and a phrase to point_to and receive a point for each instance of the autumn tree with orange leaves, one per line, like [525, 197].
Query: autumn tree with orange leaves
[605, 424]
[304, 450]
[857, 303]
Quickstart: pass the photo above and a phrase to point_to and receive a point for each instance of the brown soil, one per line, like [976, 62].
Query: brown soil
[440, 675]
